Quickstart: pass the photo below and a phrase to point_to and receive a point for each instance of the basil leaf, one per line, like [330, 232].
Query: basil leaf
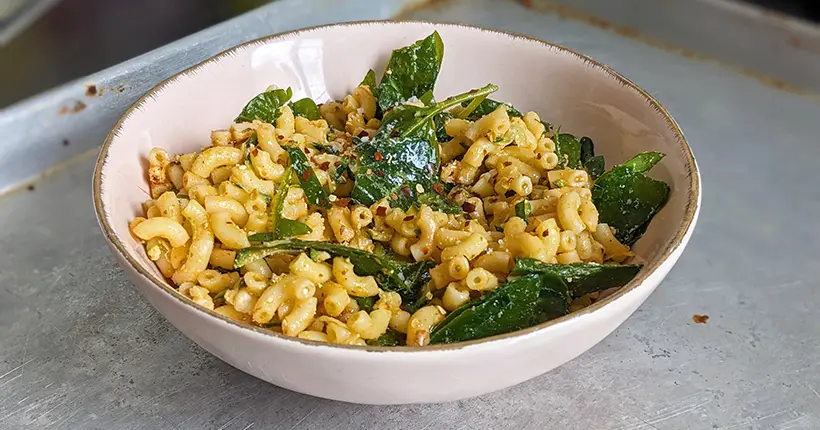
[306, 108]
[524, 302]
[627, 200]
[581, 278]
[587, 148]
[595, 166]
[523, 210]
[366, 303]
[440, 120]
[369, 80]
[411, 71]
[568, 150]
[265, 107]
[315, 193]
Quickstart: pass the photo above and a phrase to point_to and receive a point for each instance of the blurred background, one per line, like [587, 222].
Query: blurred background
[44, 43]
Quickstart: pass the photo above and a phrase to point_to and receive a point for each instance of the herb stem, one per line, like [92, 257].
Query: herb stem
[448, 103]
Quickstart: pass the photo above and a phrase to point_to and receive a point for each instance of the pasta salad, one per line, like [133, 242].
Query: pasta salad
[390, 218]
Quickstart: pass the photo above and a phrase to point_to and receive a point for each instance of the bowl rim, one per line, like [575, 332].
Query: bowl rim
[690, 214]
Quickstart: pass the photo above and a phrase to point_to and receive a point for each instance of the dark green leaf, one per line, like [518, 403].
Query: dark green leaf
[471, 107]
[366, 303]
[306, 108]
[627, 199]
[489, 105]
[568, 150]
[523, 210]
[278, 200]
[411, 71]
[389, 338]
[440, 120]
[327, 149]
[581, 278]
[391, 274]
[315, 193]
[341, 169]
[265, 106]
[587, 149]
[370, 80]
[595, 166]
[315, 255]
[526, 301]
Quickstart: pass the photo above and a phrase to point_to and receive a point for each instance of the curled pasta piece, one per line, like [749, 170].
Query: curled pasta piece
[420, 324]
[211, 158]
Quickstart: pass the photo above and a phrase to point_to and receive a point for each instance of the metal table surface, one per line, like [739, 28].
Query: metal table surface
[80, 349]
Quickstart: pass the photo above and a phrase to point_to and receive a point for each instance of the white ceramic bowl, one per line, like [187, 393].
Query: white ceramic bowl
[566, 88]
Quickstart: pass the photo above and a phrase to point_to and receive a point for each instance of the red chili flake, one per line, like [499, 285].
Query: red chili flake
[468, 207]
[700, 319]
[280, 137]
[337, 164]
[305, 151]
[438, 188]
[507, 163]
[363, 133]
[394, 196]
[473, 91]
[379, 174]
[378, 156]
[381, 211]
[342, 202]
[406, 191]
[324, 166]
[538, 156]
[255, 151]
[425, 249]
[322, 202]
[306, 175]
[394, 133]
[409, 218]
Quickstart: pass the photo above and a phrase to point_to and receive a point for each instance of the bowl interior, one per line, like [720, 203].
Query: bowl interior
[327, 62]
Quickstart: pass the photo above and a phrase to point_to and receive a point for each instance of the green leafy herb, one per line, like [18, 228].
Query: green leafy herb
[401, 161]
[627, 199]
[524, 302]
[411, 71]
[220, 294]
[339, 171]
[568, 150]
[487, 106]
[587, 149]
[471, 107]
[595, 166]
[440, 120]
[370, 80]
[391, 274]
[523, 210]
[581, 278]
[389, 338]
[327, 149]
[265, 106]
[306, 108]
[560, 183]
[281, 227]
[315, 255]
[315, 193]
[366, 303]
[272, 323]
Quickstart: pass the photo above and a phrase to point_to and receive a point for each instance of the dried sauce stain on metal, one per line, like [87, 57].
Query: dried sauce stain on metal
[700, 319]
[567, 12]
[77, 106]
[91, 90]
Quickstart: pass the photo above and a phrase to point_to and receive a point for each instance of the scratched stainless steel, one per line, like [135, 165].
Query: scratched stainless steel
[80, 349]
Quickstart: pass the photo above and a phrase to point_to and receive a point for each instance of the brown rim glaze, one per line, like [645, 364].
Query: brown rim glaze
[689, 216]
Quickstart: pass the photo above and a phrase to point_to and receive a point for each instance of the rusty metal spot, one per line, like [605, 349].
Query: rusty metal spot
[700, 319]
[77, 106]
[91, 90]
